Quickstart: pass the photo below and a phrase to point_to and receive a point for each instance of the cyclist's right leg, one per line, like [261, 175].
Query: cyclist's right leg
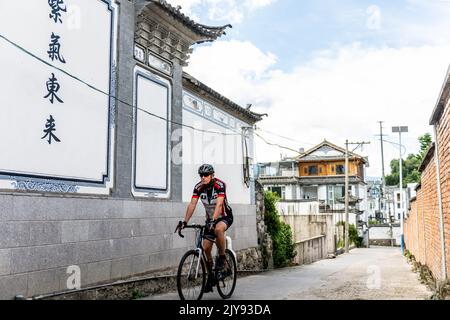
[207, 246]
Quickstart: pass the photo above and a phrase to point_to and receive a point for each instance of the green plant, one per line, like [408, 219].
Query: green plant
[372, 222]
[340, 223]
[352, 235]
[137, 294]
[280, 232]
[407, 254]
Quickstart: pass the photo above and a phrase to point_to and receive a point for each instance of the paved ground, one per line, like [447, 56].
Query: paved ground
[376, 273]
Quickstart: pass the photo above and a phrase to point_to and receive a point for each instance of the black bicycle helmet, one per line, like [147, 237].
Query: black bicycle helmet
[206, 169]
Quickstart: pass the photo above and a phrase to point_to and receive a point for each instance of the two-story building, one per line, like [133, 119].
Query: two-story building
[318, 175]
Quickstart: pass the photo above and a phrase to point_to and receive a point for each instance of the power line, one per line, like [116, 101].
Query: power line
[111, 95]
[148, 112]
[287, 138]
[276, 144]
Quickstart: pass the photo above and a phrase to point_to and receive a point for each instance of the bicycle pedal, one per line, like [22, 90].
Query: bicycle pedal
[220, 276]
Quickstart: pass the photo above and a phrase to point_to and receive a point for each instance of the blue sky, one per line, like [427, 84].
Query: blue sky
[294, 30]
[328, 69]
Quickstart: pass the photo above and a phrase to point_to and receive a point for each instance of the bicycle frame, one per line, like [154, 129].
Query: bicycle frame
[195, 269]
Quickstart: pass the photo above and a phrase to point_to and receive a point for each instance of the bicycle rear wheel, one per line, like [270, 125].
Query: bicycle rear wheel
[226, 286]
[191, 276]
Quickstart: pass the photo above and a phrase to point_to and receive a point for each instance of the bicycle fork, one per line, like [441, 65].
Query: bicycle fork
[200, 253]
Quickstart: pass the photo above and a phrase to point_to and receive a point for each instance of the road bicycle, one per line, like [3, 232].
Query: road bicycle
[193, 269]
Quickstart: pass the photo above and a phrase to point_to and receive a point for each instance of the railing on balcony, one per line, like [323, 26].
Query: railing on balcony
[277, 172]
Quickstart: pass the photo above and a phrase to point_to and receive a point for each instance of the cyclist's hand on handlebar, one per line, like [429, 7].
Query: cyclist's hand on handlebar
[180, 226]
[183, 224]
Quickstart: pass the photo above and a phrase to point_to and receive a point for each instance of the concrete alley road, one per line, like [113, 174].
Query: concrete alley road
[376, 273]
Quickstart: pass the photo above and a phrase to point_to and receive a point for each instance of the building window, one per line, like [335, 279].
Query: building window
[332, 168]
[280, 191]
[276, 190]
[398, 205]
[340, 169]
[320, 170]
[312, 170]
[398, 196]
[339, 192]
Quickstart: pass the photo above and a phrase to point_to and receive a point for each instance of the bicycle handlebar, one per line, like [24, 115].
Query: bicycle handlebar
[192, 226]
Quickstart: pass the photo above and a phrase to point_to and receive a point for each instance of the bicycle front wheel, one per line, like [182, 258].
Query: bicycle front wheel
[191, 276]
[226, 285]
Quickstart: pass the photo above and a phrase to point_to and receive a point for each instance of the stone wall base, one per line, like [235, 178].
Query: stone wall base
[162, 281]
[440, 288]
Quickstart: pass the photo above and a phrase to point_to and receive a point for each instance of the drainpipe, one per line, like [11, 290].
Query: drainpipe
[439, 193]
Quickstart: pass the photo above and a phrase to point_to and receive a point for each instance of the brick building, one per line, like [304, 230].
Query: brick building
[427, 227]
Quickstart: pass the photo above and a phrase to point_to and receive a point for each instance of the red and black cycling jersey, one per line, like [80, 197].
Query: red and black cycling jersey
[208, 194]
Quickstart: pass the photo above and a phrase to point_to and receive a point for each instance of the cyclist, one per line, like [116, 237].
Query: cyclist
[219, 216]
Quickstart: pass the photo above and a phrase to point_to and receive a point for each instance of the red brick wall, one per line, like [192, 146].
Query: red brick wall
[443, 138]
[422, 233]
[422, 228]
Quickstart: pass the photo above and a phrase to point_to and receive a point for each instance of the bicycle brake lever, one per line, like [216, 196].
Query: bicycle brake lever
[178, 227]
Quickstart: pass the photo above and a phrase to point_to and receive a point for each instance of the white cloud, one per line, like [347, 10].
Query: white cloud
[225, 10]
[338, 95]
[256, 4]
[230, 11]
[373, 17]
[187, 6]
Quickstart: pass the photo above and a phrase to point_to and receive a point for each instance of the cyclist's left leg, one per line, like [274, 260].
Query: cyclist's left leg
[220, 229]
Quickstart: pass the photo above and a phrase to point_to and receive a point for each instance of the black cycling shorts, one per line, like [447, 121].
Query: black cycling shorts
[228, 221]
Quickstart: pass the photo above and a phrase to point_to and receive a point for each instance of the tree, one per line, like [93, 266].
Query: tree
[410, 166]
[425, 142]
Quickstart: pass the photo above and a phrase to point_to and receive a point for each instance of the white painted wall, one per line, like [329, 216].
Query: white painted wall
[81, 120]
[322, 192]
[298, 208]
[384, 233]
[362, 194]
[225, 153]
[403, 207]
[151, 152]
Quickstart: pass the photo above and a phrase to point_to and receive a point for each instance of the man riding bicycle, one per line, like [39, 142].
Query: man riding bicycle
[219, 216]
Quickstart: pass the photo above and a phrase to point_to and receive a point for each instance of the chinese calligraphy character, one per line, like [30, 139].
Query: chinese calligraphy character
[50, 127]
[52, 88]
[56, 8]
[54, 46]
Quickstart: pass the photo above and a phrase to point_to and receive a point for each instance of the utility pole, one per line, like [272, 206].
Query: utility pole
[383, 182]
[346, 198]
[346, 190]
[400, 129]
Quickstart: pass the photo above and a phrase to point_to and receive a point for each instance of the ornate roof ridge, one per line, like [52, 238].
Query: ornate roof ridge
[213, 32]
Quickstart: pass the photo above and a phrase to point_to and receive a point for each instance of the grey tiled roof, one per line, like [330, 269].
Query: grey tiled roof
[278, 180]
[308, 180]
[427, 157]
[442, 100]
[203, 30]
[330, 180]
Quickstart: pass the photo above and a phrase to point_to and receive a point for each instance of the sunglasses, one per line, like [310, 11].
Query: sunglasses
[204, 175]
